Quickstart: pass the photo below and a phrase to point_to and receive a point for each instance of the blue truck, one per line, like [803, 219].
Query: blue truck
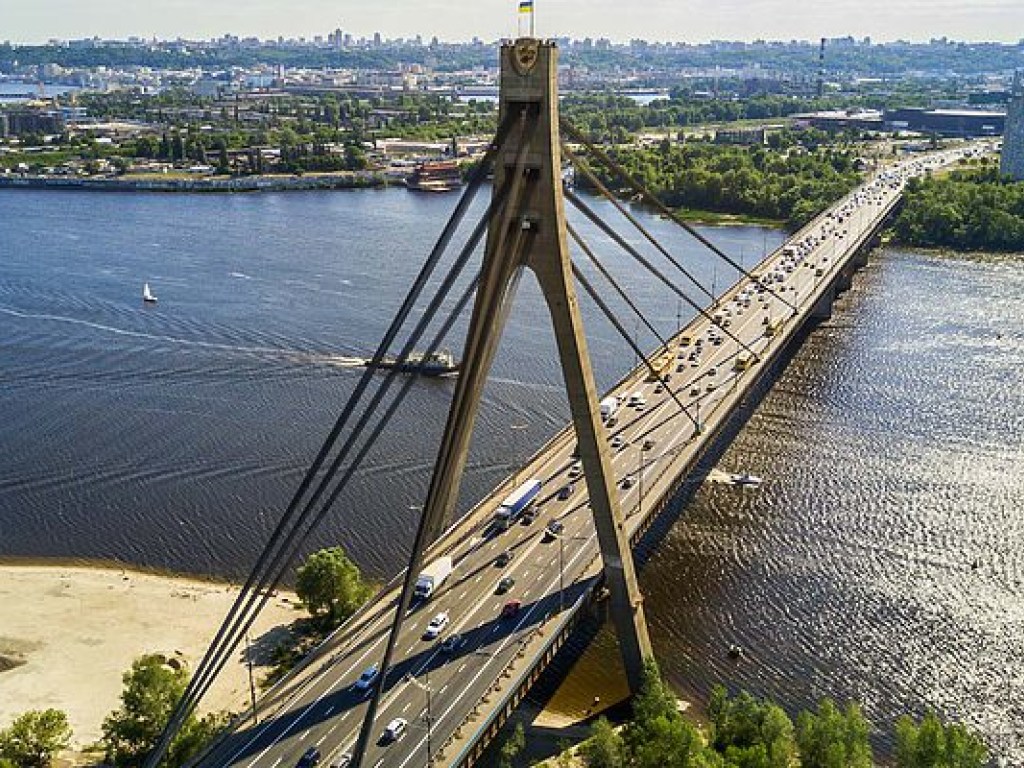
[516, 502]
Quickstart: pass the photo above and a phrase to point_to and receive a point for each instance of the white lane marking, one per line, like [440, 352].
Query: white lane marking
[277, 762]
[459, 670]
[406, 707]
[328, 710]
[442, 689]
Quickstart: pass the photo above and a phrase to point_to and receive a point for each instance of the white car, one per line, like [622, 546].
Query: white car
[436, 625]
[394, 730]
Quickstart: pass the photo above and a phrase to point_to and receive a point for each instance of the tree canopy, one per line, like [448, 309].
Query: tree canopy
[35, 738]
[969, 209]
[330, 585]
[151, 689]
[930, 744]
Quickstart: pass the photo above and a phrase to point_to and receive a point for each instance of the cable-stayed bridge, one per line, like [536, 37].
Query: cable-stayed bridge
[521, 579]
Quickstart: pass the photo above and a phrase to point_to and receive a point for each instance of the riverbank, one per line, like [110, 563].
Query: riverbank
[179, 183]
[69, 630]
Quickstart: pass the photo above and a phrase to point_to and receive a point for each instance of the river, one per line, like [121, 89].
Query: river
[880, 560]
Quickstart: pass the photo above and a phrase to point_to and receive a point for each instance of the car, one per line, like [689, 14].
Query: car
[436, 625]
[394, 730]
[612, 421]
[648, 444]
[529, 515]
[504, 558]
[566, 491]
[453, 642]
[618, 442]
[342, 761]
[506, 583]
[627, 481]
[712, 371]
[309, 758]
[659, 389]
[511, 608]
[554, 528]
[368, 678]
[711, 386]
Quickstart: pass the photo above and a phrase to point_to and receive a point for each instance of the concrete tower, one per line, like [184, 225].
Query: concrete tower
[1012, 163]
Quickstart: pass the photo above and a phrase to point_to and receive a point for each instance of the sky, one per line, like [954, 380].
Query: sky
[36, 21]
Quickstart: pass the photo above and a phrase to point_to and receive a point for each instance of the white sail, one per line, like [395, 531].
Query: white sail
[147, 294]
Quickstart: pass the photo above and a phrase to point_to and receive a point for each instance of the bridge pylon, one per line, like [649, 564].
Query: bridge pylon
[530, 231]
[527, 229]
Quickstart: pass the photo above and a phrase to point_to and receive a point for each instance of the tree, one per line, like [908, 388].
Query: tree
[749, 733]
[329, 583]
[35, 738]
[512, 747]
[833, 739]
[605, 748]
[151, 690]
[932, 745]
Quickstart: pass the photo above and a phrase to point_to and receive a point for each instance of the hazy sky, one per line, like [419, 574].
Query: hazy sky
[686, 20]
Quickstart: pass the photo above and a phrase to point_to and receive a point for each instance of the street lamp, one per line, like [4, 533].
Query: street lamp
[425, 687]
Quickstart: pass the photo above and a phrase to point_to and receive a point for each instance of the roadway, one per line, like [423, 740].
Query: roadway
[650, 442]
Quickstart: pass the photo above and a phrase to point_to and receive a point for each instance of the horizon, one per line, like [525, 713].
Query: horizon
[660, 21]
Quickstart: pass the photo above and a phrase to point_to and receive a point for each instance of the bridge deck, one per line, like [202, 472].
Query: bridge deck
[470, 689]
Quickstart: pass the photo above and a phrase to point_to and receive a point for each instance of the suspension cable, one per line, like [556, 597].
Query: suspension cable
[653, 200]
[621, 242]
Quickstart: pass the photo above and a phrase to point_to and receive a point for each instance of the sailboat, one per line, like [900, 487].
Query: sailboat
[147, 295]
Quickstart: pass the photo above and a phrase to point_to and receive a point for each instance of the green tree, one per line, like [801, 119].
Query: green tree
[35, 738]
[930, 744]
[605, 748]
[151, 689]
[330, 585]
[829, 738]
[512, 747]
[658, 736]
[750, 733]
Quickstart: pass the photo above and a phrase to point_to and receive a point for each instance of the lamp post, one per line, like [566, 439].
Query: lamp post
[425, 687]
[561, 573]
[252, 683]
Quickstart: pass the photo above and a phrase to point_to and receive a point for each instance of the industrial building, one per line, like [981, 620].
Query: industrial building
[1012, 163]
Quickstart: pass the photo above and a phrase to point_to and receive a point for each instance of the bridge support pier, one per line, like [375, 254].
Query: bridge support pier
[822, 310]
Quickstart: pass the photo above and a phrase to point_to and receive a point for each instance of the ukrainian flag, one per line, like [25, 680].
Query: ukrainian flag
[526, 6]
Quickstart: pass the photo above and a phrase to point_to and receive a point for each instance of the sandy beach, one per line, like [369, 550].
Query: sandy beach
[68, 633]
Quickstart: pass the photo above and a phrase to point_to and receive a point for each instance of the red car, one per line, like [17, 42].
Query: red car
[511, 608]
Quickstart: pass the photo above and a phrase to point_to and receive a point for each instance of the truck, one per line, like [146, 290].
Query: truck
[432, 577]
[517, 501]
[608, 407]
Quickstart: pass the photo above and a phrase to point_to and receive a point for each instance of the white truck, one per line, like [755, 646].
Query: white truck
[432, 577]
[608, 407]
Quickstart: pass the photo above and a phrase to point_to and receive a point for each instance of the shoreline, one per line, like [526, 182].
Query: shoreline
[205, 184]
[70, 628]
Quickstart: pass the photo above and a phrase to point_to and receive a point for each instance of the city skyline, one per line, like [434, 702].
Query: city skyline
[663, 20]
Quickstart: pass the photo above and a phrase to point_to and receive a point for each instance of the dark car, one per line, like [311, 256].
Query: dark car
[504, 558]
[566, 491]
[309, 758]
[554, 528]
[511, 608]
[506, 584]
[453, 642]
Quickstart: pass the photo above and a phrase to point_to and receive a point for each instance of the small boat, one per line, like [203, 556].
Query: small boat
[745, 478]
[735, 651]
[147, 295]
[437, 363]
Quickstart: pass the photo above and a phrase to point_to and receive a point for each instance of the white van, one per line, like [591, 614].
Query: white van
[637, 398]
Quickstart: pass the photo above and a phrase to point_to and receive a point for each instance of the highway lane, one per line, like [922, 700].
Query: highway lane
[326, 711]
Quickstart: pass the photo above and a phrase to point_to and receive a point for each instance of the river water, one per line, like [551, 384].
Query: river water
[881, 559]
